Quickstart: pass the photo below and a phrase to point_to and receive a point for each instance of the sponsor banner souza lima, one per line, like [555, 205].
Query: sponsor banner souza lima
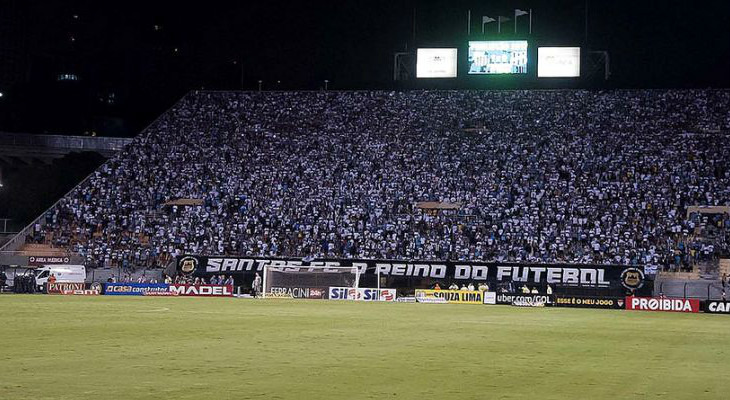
[452, 296]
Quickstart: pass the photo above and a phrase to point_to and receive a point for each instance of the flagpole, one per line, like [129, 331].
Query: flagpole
[515, 22]
[414, 26]
[499, 24]
[531, 21]
[468, 23]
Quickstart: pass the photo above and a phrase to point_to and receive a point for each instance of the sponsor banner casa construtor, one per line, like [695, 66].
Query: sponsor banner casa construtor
[137, 289]
[662, 304]
[452, 296]
[589, 302]
[362, 294]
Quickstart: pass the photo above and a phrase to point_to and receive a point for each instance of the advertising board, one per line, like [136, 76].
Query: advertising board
[451, 296]
[362, 294]
[662, 304]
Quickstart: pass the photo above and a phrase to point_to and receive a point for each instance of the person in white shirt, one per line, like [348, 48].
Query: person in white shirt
[549, 289]
[470, 287]
[454, 286]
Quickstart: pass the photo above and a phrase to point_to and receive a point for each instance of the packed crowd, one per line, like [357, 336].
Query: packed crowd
[178, 279]
[540, 176]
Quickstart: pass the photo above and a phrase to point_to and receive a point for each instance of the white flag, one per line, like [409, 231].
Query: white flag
[486, 20]
[519, 12]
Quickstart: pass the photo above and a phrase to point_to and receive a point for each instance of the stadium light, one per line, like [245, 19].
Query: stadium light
[1, 94]
[260, 82]
[326, 83]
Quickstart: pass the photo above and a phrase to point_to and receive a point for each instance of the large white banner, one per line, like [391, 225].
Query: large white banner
[436, 63]
[558, 62]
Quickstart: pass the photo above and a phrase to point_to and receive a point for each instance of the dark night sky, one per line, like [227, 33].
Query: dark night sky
[113, 48]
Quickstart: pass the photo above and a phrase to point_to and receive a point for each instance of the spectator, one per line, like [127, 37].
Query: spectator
[3, 279]
[316, 175]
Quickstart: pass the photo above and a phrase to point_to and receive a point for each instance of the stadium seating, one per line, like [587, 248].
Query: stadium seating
[544, 176]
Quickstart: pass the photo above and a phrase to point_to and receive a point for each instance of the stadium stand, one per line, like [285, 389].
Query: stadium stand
[542, 176]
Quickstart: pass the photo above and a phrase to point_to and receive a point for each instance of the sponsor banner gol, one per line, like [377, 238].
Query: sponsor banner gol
[524, 299]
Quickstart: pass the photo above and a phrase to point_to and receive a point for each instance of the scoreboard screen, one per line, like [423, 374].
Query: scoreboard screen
[436, 63]
[558, 62]
[498, 57]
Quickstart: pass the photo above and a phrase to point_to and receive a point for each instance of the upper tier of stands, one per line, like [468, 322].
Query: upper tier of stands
[569, 176]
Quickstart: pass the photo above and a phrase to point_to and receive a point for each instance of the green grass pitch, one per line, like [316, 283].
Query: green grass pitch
[58, 347]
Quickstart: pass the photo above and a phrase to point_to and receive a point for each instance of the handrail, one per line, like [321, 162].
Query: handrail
[19, 239]
[64, 142]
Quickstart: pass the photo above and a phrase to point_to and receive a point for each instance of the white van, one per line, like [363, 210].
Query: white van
[62, 272]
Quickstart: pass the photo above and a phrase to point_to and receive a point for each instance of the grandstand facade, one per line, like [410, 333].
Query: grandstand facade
[567, 176]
